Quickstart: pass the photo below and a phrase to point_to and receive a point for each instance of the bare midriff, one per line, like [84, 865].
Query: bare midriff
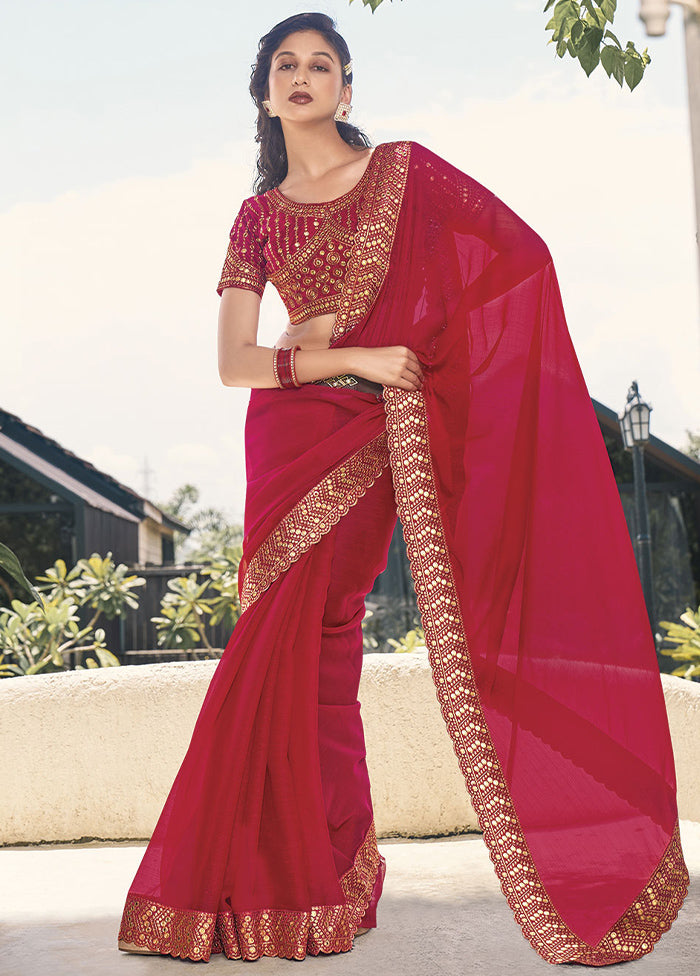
[313, 333]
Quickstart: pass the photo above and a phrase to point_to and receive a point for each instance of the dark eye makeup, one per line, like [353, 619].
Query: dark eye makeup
[289, 65]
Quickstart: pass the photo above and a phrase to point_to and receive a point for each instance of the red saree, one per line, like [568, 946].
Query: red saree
[538, 638]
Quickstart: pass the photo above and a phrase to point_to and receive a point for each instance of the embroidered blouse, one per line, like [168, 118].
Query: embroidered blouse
[302, 248]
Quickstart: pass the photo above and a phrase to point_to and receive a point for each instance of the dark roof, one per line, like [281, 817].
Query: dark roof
[101, 490]
[662, 452]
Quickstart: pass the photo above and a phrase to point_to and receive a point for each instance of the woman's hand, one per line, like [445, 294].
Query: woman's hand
[388, 365]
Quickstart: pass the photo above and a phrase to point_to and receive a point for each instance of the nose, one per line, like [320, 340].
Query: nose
[297, 76]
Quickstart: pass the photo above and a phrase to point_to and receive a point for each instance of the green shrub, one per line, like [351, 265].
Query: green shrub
[688, 640]
[190, 605]
[39, 636]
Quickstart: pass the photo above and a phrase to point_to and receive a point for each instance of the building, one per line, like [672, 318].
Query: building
[54, 504]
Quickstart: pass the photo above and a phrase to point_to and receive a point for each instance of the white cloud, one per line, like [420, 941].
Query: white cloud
[110, 293]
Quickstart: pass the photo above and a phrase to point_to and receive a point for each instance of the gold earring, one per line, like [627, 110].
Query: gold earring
[342, 113]
[269, 109]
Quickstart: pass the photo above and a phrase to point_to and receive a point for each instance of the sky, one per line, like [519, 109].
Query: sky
[128, 136]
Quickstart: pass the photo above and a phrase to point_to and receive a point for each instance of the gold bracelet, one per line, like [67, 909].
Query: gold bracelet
[292, 367]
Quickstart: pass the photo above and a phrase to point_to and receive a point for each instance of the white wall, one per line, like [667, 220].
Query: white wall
[93, 753]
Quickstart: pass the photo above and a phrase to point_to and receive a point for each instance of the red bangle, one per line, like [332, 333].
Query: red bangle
[285, 367]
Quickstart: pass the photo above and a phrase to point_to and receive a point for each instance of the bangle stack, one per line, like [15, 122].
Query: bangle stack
[284, 369]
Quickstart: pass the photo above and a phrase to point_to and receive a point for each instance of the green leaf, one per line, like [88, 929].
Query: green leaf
[36, 668]
[577, 32]
[11, 565]
[612, 60]
[106, 658]
[594, 38]
[57, 658]
[607, 58]
[609, 33]
[633, 71]
[596, 16]
[589, 59]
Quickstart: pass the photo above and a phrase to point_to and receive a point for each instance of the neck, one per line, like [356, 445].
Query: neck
[313, 150]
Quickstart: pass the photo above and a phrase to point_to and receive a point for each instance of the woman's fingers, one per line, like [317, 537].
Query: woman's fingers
[392, 366]
[413, 379]
[416, 371]
[411, 372]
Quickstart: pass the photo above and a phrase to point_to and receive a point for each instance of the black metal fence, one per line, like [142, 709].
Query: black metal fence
[133, 636]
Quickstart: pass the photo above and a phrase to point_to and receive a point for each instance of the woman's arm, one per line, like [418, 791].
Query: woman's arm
[242, 362]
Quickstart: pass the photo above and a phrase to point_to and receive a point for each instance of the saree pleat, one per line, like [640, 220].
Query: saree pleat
[266, 843]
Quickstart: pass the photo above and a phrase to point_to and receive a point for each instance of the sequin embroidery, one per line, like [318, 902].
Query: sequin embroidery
[318, 255]
[313, 516]
[191, 934]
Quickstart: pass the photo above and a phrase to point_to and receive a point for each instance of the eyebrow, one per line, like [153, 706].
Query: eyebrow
[313, 54]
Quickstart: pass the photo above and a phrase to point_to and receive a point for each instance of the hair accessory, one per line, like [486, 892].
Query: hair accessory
[347, 68]
[342, 113]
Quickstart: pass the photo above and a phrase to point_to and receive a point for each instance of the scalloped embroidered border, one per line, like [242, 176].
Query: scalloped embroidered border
[313, 516]
[657, 905]
[371, 250]
[189, 934]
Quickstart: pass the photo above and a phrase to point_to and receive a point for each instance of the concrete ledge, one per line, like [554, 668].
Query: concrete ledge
[92, 754]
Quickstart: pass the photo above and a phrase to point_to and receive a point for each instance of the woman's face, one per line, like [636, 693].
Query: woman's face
[306, 62]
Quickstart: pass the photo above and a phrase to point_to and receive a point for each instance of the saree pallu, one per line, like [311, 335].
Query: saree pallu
[538, 638]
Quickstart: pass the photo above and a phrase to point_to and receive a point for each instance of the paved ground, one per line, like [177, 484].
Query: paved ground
[442, 912]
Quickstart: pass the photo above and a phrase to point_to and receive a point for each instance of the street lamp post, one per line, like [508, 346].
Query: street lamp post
[634, 424]
[654, 14]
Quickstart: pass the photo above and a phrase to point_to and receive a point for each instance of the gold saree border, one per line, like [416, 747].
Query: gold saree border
[313, 516]
[658, 903]
[190, 934]
[369, 256]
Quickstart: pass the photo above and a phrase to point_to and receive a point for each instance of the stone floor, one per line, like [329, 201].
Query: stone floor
[442, 911]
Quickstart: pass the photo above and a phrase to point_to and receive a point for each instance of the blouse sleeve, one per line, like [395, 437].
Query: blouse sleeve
[244, 266]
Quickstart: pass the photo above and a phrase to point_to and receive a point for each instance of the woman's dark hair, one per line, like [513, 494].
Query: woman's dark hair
[272, 155]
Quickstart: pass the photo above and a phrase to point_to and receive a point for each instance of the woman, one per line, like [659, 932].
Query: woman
[426, 368]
